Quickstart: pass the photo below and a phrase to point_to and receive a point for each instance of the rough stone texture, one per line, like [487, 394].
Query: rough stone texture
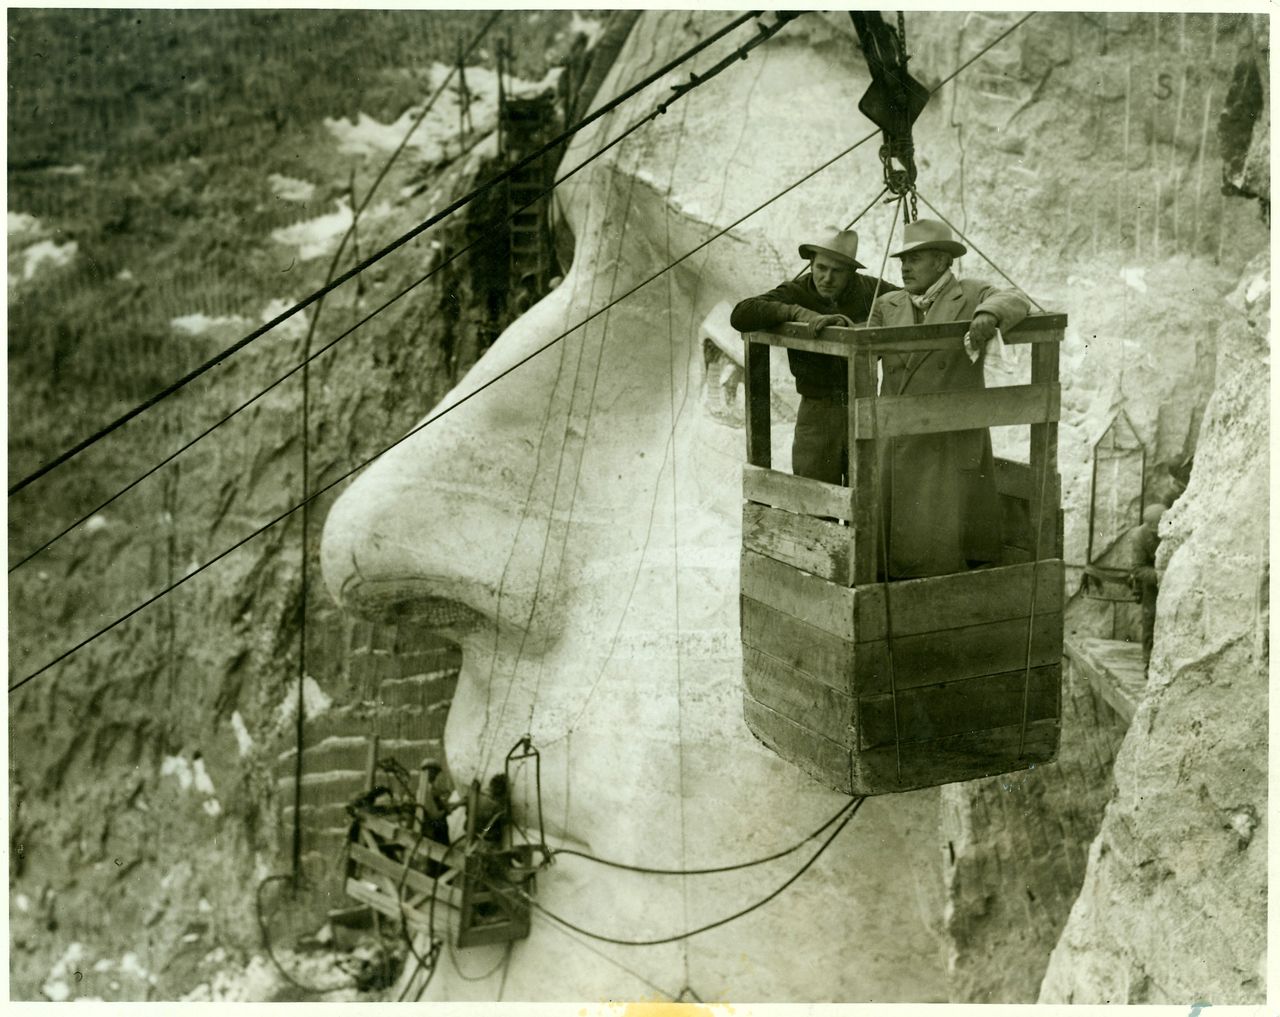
[1174, 905]
[1017, 847]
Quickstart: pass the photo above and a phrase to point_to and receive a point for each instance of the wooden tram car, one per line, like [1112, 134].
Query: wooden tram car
[951, 678]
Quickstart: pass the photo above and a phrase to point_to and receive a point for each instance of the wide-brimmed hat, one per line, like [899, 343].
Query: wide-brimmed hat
[840, 244]
[929, 235]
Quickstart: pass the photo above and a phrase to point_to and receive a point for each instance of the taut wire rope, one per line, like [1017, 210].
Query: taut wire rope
[377, 256]
[200, 568]
[432, 419]
[983, 256]
[491, 231]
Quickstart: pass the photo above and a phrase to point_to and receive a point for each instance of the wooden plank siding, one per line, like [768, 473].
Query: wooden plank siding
[807, 648]
[971, 650]
[804, 542]
[808, 598]
[936, 412]
[952, 654]
[823, 759]
[960, 757]
[798, 696]
[802, 495]
[960, 707]
[959, 599]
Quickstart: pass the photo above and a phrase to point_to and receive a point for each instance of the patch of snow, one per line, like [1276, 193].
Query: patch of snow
[291, 188]
[212, 807]
[290, 328]
[96, 523]
[1258, 285]
[314, 702]
[589, 27]
[67, 171]
[21, 223]
[104, 965]
[1078, 282]
[242, 734]
[56, 986]
[200, 777]
[124, 275]
[203, 906]
[130, 965]
[47, 252]
[176, 766]
[1134, 278]
[319, 236]
[200, 323]
[22, 902]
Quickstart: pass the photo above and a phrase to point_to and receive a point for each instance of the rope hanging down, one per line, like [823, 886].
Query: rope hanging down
[431, 420]
[377, 256]
[683, 90]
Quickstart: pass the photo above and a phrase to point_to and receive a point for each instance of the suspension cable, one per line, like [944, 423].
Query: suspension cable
[852, 811]
[432, 419]
[682, 91]
[554, 852]
[1002, 272]
[142, 606]
[377, 256]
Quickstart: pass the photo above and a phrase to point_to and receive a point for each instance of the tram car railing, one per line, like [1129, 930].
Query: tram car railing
[873, 687]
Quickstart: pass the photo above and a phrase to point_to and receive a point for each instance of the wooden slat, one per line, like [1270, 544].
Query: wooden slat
[1044, 461]
[391, 831]
[955, 654]
[838, 341]
[804, 542]
[975, 704]
[962, 598]
[821, 758]
[949, 335]
[386, 903]
[394, 870]
[755, 376]
[962, 757]
[864, 478]
[936, 412]
[798, 696]
[1118, 670]
[802, 495]
[816, 601]
[805, 647]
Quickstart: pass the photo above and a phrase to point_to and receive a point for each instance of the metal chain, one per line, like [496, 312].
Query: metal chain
[910, 213]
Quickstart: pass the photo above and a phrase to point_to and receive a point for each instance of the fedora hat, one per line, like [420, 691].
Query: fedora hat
[929, 235]
[841, 244]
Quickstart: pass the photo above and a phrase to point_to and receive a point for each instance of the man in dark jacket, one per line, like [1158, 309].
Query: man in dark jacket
[830, 293]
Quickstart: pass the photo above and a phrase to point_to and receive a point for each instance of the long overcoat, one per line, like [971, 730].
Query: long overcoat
[938, 491]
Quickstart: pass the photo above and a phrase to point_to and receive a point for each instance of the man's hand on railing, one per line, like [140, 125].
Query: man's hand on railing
[817, 322]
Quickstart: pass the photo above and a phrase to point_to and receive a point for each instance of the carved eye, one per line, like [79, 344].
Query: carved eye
[722, 393]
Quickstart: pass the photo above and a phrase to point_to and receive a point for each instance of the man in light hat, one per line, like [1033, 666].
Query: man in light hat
[831, 292]
[938, 490]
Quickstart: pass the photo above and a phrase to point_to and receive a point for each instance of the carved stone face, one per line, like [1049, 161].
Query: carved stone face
[576, 527]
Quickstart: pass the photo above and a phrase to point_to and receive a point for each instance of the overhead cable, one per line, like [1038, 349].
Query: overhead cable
[695, 81]
[377, 256]
[432, 419]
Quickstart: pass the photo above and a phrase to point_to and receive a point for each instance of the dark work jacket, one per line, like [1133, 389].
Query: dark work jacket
[817, 375]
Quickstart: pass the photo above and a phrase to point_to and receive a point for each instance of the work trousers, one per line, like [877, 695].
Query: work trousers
[820, 446]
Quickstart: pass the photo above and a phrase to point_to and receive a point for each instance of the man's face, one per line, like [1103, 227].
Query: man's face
[830, 275]
[921, 269]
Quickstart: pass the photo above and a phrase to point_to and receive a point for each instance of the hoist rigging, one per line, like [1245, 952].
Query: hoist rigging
[871, 679]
